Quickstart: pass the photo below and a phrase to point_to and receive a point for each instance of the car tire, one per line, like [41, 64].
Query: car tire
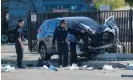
[119, 47]
[43, 52]
[4, 38]
[116, 47]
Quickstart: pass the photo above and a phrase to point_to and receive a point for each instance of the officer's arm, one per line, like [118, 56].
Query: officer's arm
[54, 36]
[20, 41]
[71, 31]
[19, 38]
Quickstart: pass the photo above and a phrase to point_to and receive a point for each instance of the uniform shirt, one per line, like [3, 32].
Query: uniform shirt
[60, 34]
[19, 33]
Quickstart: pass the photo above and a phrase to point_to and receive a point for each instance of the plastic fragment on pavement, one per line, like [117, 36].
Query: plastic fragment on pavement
[129, 67]
[107, 67]
[7, 68]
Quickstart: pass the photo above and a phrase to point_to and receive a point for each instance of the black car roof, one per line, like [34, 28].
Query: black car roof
[71, 18]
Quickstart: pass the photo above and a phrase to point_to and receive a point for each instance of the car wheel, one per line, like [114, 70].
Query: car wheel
[4, 38]
[43, 52]
[119, 47]
[116, 47]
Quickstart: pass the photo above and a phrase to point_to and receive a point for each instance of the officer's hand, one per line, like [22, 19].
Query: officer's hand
[22, 46]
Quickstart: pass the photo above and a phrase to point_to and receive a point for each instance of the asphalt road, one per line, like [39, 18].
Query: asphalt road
[62, 74]
[10, 48]
[9, 56]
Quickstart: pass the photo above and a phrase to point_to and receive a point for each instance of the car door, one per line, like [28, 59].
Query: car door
[49, 35]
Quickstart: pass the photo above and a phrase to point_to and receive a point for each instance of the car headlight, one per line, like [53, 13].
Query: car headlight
[105, 35]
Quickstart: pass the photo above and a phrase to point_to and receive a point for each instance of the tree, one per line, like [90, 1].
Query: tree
[130, 2]
[25, 1]
[112, 3]
[3, 0]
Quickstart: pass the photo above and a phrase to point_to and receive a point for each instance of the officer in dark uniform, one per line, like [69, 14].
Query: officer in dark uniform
[73, 42]
[60, 34]
[19, 44]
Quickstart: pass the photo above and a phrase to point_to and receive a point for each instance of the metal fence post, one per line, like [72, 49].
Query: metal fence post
[99, 17]
[131, 28]
[29, 28]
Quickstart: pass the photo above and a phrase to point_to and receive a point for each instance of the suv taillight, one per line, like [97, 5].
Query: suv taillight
[39, 30]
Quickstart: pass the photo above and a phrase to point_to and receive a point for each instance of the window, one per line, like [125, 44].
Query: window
[69, 24]
[44, 25]
[52, 26]
[91, 23]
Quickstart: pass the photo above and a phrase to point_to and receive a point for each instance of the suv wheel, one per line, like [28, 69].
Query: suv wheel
[43, 52]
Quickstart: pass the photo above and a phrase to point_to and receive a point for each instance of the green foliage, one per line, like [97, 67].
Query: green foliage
[112, 3]
[130, 2]
[3, 1]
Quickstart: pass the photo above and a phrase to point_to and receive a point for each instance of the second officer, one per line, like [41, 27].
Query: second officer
[60, 34]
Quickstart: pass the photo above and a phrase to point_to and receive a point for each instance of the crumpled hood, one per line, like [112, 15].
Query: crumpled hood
[94, 29]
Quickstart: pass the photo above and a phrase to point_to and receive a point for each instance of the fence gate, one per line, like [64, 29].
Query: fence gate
[124, 20]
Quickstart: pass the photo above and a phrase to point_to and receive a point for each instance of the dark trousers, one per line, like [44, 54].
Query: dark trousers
[19, 52]
[63, 53]
[73, 58]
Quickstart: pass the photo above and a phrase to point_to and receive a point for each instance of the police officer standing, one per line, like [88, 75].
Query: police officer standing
[19, 44]
[60, 34]
[73, 42]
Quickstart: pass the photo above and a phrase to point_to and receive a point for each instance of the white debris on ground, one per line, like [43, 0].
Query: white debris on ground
[44, 67]
[51, 67]
[7, 68]
[108, 67]
[129, 67]
[90, 68]
[73, 67]
[84, 67]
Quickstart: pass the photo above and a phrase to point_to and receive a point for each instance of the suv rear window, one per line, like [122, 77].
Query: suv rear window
[52, 25]
[44, 25]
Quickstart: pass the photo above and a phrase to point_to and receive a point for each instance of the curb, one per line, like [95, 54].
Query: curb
[114, 56]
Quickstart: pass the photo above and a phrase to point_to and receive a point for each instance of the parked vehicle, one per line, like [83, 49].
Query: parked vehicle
[99, 37]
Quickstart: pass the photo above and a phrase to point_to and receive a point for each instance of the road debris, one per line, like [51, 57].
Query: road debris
[90, 68]
[47, 66]
[107, 67]
[53, 68]
[73, 67]
[84, 67]
[7, 68]
[129, 67]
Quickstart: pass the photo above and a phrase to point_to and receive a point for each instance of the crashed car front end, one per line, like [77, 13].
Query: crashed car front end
[95, 36]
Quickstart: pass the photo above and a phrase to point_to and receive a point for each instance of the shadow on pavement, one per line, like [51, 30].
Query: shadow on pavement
[25, 62]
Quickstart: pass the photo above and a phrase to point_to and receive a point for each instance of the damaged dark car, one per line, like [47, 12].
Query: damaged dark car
[93, 38]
